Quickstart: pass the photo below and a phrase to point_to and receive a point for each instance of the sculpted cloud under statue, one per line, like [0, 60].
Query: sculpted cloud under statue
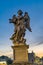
[21, 22]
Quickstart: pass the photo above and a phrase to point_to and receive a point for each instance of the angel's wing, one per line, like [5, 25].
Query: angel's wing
[27, 21]
[28, 25]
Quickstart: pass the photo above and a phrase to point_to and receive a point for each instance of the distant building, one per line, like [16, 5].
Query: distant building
[5, 59]
[37, 59]
[31, 57]
[3, 63]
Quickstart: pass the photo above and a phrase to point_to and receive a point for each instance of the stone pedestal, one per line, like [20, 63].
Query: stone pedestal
[20, 53]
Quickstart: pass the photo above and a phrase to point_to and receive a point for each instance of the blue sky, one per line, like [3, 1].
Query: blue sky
[10, 7]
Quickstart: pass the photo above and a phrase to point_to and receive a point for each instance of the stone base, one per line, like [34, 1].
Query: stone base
[23, 63]
[20, 54]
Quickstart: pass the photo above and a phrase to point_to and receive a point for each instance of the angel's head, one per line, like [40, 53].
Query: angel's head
[20, 12]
